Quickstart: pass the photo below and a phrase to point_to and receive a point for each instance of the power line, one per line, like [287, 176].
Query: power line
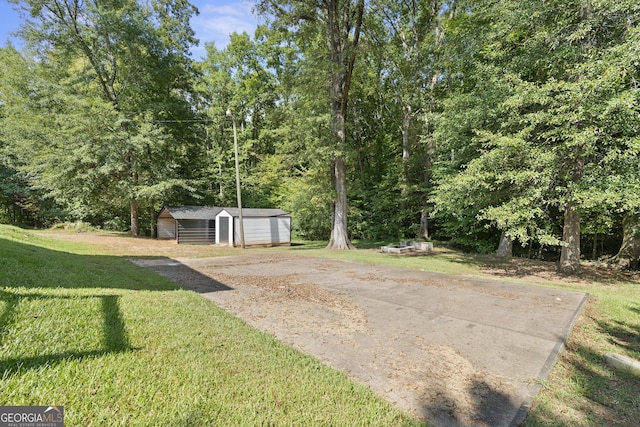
[172, 121]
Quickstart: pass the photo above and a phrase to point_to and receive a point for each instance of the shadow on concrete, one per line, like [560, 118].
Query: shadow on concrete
[492, 406]
[183, 275]
[600, 395]
[489, 407]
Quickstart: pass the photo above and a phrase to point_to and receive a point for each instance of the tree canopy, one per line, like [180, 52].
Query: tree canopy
[476, 122]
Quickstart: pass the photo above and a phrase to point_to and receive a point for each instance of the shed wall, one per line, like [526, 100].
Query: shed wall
[264, 231]
[196, 231]
[166, 228]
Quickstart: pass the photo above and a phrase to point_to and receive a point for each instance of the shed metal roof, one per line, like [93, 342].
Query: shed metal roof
[210, 212]
[251, 212]
[193, 212]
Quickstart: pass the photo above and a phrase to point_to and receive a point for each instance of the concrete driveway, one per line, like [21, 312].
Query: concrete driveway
[448, 349]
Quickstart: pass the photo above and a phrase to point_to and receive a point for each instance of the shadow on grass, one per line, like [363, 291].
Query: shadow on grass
[307, 245]
[516, 267]
[29, 272]
[114, 334]
[600, 394]
[19, 365]
[28, 266]
[369, 244]
[623, 333]
[322, 244]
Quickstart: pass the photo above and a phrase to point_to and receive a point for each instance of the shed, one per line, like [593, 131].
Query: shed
[188, 224]
[220, 225]
[263, 227]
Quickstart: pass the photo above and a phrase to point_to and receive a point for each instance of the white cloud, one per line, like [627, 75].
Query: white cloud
[227, 9]
[217, 21]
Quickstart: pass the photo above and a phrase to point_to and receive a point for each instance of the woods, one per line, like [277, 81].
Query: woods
[479, 123]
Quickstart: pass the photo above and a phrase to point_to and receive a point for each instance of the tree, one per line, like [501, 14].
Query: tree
[20, 202]
[134, 58]
[561, 111]
[236, 78]
[340, 24]
[406, 37]
[628, 257]
[297, 171]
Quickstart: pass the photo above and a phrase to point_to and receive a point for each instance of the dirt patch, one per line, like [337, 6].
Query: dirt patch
[453, 391]
[544, 272]
[281, 296]
[328, 311]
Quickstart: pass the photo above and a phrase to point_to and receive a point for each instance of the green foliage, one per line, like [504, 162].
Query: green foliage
[490, 116]
[539, 128]
[97, 119]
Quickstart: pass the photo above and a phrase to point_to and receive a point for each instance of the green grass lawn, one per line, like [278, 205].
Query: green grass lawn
[119, 345]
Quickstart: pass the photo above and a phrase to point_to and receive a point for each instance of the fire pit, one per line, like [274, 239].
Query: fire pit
[405, 247]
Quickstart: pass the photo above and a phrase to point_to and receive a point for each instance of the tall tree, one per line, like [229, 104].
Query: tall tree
[20, 202]
[407, 38]
[340, 24]
[237, 79]
[298, 130]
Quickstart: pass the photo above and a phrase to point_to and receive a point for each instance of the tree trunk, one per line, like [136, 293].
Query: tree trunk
[152, 228]
[135, 219]
[406, 152]
[424, 224]
[339, 233]
[505, 247]
[570, 255]
[341, 46]
[424, 216]
[406, 125]
[628, 257]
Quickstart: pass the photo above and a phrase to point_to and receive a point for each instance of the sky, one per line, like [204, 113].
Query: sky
[217, 20]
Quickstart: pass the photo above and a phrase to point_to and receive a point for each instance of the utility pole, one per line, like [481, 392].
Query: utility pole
[239, 196]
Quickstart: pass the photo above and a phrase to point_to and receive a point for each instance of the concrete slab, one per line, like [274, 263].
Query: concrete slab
[452, 350]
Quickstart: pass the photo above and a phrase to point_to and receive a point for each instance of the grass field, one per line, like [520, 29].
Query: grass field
[81, 326]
